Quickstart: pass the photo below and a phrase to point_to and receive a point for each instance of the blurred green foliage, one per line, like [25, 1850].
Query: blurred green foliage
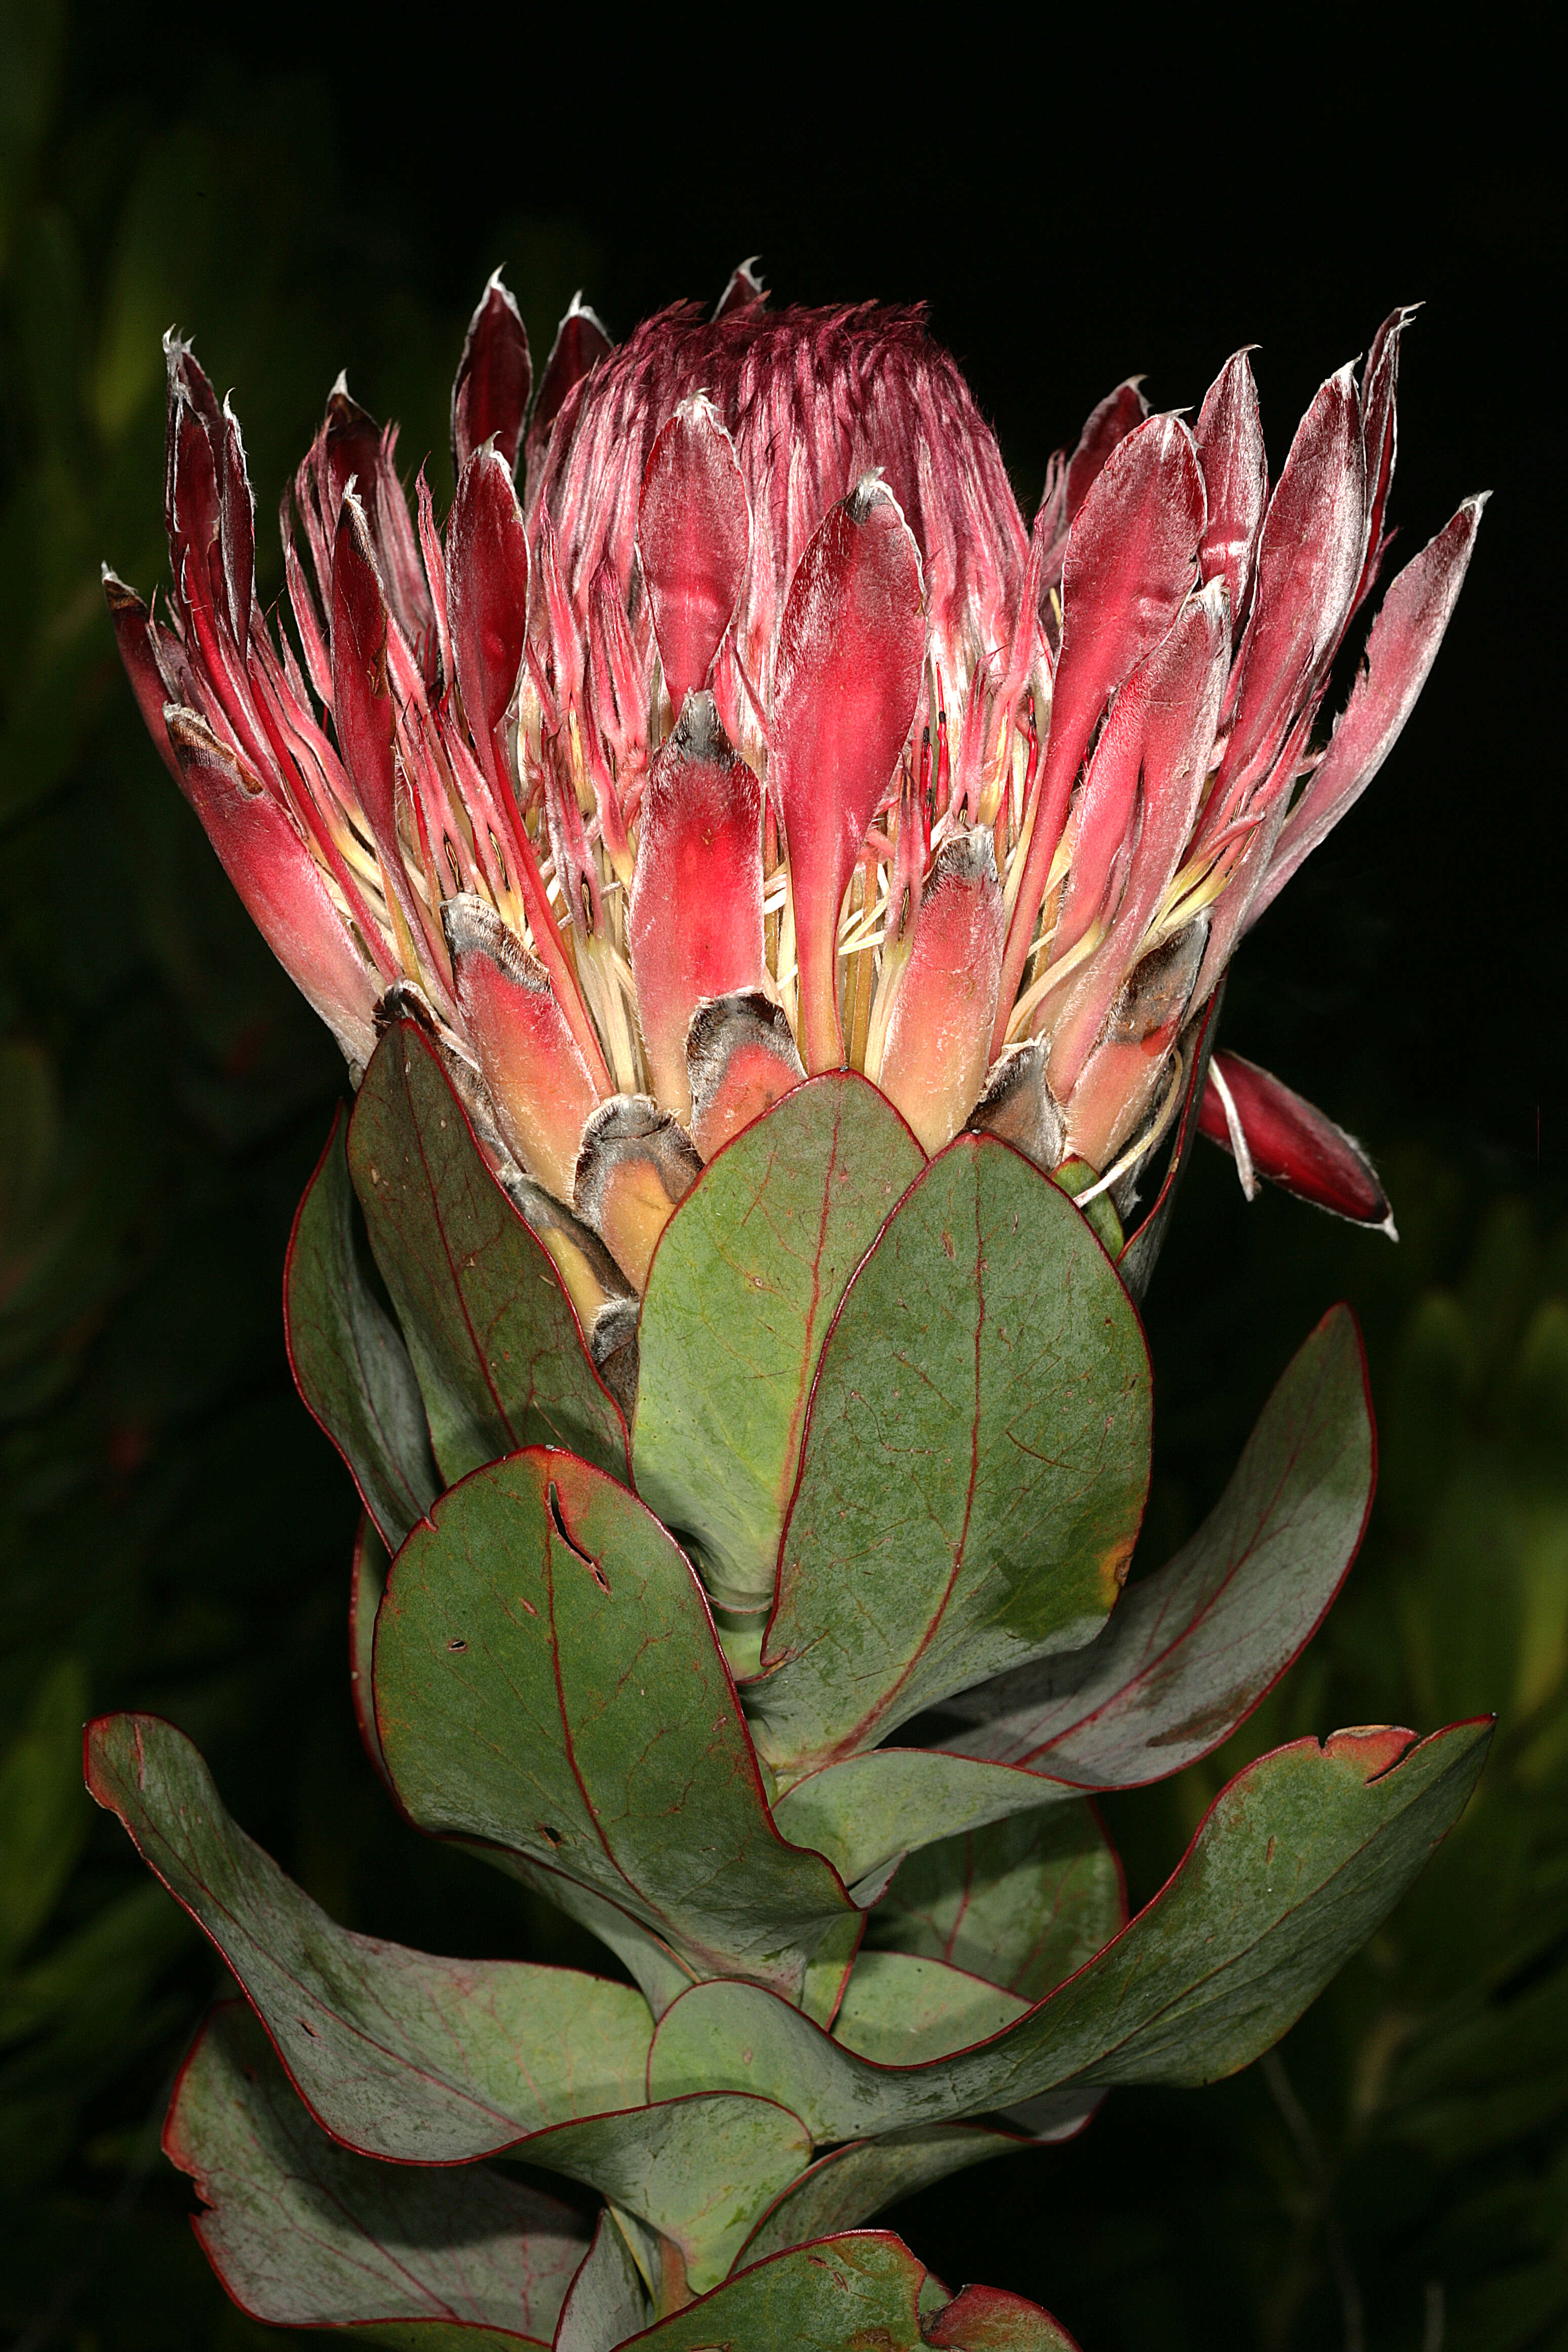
[174, 1533]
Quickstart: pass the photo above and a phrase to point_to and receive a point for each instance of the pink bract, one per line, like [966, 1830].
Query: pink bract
[758, 735]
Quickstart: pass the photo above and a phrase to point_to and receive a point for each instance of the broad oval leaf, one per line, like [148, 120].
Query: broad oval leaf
[901, 2009]
[1299, 1859]
[494, 1339]
[699, 2172]
[865, 1813]
[348, 1356]
[741, 1293]
[829, 1971]
[607, 2301]
[1192, 1649]
[647, 1959]
[396, 2053]
[839, 2294]
[975, 1464]
[548, 1679]
[1025, 1902]
[850, 2184]
[304, 2233]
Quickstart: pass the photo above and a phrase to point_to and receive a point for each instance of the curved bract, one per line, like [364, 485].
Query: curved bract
[774, 908]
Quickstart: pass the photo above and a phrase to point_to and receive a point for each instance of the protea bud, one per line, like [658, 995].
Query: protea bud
[768, 899]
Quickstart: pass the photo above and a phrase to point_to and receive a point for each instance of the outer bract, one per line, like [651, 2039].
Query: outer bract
[774, 908]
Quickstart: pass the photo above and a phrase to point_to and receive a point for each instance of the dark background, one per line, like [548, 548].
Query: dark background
[1072, 215]
[303, 191]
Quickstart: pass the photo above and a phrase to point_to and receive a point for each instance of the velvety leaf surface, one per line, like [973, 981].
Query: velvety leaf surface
[349, 1361]
[398, 2054]
[1299, 1859]
[607, 2301]
[740, 1295]
[975, 1460]
[842, 2295]
[849, 2185]
[492, 1334]
[700, 2171]
[303, 2234]
[1192, 1649]
[1025, 1902]
[547, 1678]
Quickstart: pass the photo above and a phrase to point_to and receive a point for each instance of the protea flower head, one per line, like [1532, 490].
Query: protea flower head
[758, 736]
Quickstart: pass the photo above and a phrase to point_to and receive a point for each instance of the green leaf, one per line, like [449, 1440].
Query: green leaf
[396, 2053]
[837, 2295]
[1025, 1902]
[1299, 1858]
[349, 1361]
[902, 2010]
[303, 2234]
[743, 1287]
[605, 2302]
[850, 2184]
[865, 1813]
[1192, 1649]
[547, 1678]
[43, 1821]
[653, 1966]
[974, 1466]
[433, 2061]
[431, 2336]
[1074, 1177]
[829, 1971]
[493, 1336]
[700, 2171]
